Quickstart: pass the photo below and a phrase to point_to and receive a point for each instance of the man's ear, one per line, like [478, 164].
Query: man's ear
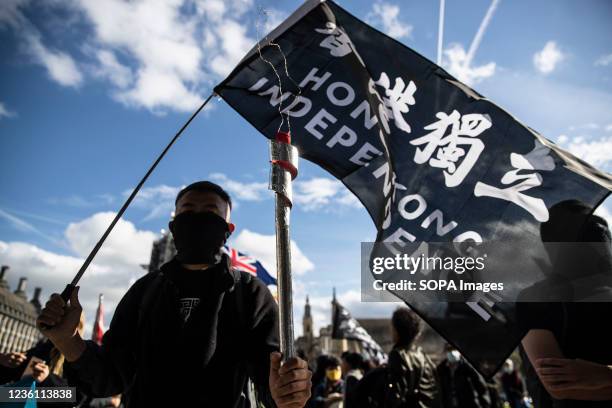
[230, 228]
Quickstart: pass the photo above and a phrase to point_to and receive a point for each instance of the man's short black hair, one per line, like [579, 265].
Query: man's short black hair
[333, 362]
[407, 325]
[354, 360]
[203, 187]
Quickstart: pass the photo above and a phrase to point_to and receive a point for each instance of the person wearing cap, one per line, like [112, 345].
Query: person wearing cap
[193, 333]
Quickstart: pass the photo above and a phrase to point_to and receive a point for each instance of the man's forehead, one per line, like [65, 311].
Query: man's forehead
[200, 197]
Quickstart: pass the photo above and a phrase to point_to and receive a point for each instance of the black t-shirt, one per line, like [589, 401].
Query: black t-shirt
[580, 328]
[193, 286]
[582, 331]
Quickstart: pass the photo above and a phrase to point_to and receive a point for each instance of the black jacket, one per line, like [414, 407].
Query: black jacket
[408, 380]
[155, 359]
[469, 387]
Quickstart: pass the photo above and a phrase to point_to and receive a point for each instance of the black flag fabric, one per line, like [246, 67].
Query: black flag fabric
[344, 326]
[430, 158]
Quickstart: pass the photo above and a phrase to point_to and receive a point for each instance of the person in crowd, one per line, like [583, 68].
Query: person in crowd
[321, 364]
[512, 385]
[329, 391]
[460, 384]
[494, 394]
[567, 346]
[412, 374]
[48, 370]
[409, 378]
[9, 363]
[207, 326]
[352, 366]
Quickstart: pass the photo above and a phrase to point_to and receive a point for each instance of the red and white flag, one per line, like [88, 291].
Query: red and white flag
[98, 327]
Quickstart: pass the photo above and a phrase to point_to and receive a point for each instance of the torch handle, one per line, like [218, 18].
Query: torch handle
[285, 290]
[283, 158]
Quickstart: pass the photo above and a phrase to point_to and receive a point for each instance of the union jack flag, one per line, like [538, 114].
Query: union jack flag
[246, 263]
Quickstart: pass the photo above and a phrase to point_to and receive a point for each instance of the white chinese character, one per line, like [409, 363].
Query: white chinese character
[537, 159]
[337, 41]
[451, 148]
[395, 100]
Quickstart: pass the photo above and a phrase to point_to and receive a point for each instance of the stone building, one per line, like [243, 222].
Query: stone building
[18, 330]
[378, 328]
[312, 346]
[163, 250]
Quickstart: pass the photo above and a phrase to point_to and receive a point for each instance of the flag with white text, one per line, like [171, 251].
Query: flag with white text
[430, 158]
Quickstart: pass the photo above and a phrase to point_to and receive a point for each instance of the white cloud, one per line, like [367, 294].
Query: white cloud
[253, 191]
[386, 15]
[595, 151]
[603, 61]
[5, 113]
[169, 46]
[608, 128]
[157, 200]
[547, 59]
[112, 272]
[235, 44]
[60, 66]
[158, 55]
[605, 213]
[318, 193]
[263, 248]
[562, 139]
[109, 67]
[456, 61]
[125, 244]
[323, 193]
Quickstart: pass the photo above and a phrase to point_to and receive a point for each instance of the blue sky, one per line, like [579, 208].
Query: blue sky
[90, 92]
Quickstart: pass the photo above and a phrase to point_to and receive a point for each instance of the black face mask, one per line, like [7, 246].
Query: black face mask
[199, 236]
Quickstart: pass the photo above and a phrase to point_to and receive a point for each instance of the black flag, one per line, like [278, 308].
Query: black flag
[344, 326]
[430, 158]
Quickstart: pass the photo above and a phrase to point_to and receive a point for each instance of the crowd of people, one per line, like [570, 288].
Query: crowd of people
[412, 378]
[566, 354]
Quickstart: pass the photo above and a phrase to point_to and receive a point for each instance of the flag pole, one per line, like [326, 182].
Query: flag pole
[67, 292]
[283, 158]
[440, 33]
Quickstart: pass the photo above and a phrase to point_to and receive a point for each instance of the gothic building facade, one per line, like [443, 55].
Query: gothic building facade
[18, 330]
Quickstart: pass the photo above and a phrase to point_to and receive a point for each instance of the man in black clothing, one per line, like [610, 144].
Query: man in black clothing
[460, 385]
[190, 334]
[409, 378]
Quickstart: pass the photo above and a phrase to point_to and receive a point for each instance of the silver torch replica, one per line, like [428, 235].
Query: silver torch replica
[284, 159]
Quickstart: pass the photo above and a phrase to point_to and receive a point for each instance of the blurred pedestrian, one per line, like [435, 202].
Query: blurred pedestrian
[352, 366]
[461, 386]
[329, 392]
[512, 385]
[409, 378]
